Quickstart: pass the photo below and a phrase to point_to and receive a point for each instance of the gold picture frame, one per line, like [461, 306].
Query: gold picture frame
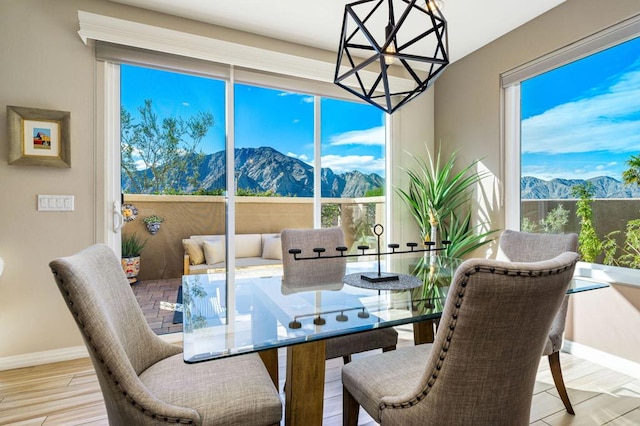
[38, 137]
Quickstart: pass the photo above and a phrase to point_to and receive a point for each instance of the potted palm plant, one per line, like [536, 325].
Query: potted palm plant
[439, 198]
[132, 246]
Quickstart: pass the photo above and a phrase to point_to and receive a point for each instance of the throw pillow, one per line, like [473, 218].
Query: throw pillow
[194, 250]
[213, 251]
[272, 248]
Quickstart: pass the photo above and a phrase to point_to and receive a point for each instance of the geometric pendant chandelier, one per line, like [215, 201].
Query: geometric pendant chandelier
[391, 51]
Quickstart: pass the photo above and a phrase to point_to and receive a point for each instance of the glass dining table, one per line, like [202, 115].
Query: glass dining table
[260, 314]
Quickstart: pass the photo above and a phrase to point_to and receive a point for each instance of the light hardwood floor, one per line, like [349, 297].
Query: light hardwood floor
[67, 393]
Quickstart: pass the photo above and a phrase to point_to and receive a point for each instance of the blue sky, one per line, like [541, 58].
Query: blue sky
[352, 133]
[582, 120]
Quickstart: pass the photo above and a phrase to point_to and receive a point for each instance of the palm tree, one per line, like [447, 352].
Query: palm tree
[632, 175]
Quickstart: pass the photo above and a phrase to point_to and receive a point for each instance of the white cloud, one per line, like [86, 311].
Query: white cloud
[569, 171]
[302, 157]
[305, 99]
[609, 121]
[373, 136]
[364, 163]
[347, 163]
[140, 165]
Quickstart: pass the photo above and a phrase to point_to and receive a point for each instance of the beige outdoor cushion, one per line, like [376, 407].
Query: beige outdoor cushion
[213, 251]
[271, 247]
[194, 249]
[248, 245]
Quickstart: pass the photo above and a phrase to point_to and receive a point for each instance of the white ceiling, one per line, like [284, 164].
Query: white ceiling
[472, 23]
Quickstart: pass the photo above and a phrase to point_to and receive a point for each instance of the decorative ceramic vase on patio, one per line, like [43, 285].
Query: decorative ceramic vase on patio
[131, 268]
[132, 246]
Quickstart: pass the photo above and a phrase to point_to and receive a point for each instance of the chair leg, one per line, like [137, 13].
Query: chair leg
[556, 372]
[389, 348]
[346, 359]
[350, 409]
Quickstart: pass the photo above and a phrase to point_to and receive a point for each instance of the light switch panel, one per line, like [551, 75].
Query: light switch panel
[56, 203]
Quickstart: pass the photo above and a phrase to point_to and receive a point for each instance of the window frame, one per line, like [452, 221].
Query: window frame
[111, 56]
[510, 129]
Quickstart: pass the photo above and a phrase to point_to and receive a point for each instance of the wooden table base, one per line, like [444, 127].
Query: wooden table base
[304, 393]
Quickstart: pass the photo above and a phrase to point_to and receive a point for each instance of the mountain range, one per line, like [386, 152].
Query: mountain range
[266, 169]
[532, 188]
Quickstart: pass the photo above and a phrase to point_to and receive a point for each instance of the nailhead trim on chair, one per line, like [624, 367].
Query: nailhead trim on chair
[452, 327]
[129, 398]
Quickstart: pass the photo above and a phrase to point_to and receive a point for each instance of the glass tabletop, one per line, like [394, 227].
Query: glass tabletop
[259, 312]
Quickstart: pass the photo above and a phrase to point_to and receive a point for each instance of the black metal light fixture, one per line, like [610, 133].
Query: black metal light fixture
[391, 50]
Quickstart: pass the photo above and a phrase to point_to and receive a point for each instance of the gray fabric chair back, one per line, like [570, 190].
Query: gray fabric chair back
[120, 342]
[517, 246]
[305, 274]
[483, 364]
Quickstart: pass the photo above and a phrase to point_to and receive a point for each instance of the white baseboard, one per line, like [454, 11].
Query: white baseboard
[44, 357]
[64, 354]
[607, 360]
[604, 359]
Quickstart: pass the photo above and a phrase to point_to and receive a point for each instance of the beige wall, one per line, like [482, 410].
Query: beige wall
[607, 320]
[46, 65]
[467, 117]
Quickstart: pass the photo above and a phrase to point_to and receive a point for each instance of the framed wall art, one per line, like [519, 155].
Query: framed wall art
[38, 137]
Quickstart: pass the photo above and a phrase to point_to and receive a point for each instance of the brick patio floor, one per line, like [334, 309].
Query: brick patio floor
[149, 294]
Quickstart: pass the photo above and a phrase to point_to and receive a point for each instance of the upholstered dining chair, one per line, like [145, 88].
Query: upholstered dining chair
[144, 379]
[482, 366]
[517, 246]
[307, 275]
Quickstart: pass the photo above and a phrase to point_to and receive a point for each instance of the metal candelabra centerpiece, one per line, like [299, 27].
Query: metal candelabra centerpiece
[318, 320]
[379, 276]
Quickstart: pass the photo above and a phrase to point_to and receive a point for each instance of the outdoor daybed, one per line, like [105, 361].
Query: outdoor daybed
[206, 253]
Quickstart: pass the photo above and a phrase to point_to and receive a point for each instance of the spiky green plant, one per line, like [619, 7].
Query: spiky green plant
[132, 245]
[464, 237]
[436, 278]
[438, 198]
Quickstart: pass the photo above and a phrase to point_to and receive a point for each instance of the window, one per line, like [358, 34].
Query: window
[572, 135]
[298, 159]
[274, 142]
[165, 115]
[353, 167]
[169, 69]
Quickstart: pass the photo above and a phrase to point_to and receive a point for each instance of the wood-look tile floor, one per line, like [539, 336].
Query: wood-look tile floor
[67, 393]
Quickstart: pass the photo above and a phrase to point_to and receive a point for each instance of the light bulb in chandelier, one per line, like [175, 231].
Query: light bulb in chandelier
[433, 5]
[390, 51]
